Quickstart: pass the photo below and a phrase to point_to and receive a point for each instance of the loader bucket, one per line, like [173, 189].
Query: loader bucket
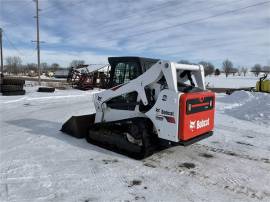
[78, 126]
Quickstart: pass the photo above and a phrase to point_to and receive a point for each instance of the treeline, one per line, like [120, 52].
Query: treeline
[228, 68]
[14, 65]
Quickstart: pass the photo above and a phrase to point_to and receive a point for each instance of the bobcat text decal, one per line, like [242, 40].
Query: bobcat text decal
[193, 125]
[169, 116]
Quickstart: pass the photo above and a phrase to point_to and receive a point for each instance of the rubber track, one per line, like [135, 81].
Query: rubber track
[123, 146]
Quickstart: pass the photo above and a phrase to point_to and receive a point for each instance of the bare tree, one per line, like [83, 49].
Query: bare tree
[217, 72]
[184, 62]
[244, 70]
[239, 71]
[44, 66]
[256, 69]
[13, 64]
[209, 68]
[31, 67]
[227, 66]
[266, 69]
[234, 71]
[55, 67]
[76, 63]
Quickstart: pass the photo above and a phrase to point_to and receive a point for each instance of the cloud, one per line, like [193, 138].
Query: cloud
[162, 29]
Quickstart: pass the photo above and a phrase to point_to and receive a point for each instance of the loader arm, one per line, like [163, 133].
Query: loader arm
[151, 76]
[137, 85]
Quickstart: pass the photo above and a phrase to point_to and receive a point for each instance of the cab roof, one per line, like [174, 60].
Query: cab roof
[140, 60]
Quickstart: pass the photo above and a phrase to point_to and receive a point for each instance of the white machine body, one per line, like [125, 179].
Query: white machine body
[165, 112]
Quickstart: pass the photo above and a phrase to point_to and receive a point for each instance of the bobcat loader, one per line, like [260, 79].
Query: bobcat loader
[148, 102]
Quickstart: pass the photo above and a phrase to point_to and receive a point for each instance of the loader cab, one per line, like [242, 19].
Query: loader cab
[124, 69]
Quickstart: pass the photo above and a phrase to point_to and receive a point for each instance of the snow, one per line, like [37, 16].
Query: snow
[248, 106]
[40, 163]
[231, 81]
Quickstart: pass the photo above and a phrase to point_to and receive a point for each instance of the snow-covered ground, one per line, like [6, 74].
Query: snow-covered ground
[39, 163]
[231, 81]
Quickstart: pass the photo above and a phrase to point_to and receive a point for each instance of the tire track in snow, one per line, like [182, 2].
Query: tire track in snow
[100, 175]
[227, 182]
[242, 131]
[231, 153]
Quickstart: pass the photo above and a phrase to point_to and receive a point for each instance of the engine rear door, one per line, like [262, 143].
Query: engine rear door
[196, 114]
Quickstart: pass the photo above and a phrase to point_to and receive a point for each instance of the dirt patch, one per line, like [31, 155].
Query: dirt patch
[243, 143]
[149, 165]
[205, 155]
[134, 183]
[139, 198]
[187, 165]
[107, 161]
[265, 160]
[231, 153]
[192, 173]
[91, 199]
[248, 136]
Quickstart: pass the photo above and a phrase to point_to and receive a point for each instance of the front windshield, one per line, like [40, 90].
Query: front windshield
[124, 72]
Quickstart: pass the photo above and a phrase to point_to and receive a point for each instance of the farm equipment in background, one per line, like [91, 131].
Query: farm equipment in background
[149, 102]
[263, 85]
[85, 78]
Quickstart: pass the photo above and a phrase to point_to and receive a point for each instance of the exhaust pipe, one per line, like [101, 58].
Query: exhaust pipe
[78, 126]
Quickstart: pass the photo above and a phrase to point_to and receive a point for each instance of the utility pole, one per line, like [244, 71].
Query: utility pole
[1, 48]
[38, 45]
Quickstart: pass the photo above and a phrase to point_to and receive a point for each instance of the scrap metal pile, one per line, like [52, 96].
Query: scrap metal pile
[84, 77]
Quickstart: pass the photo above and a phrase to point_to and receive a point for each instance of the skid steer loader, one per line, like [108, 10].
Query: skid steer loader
[148, 102]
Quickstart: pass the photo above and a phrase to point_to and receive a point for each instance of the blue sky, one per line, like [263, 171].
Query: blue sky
[92, 30]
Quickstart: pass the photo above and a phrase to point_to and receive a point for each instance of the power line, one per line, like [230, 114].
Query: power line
[15, 11]
[190, 22]
[181, 14]
[200, 19]
[12, 44]
[51, 8]
[125, 17]
[159, 7]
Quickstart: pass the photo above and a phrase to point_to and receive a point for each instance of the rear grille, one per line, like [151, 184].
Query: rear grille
[199, 105]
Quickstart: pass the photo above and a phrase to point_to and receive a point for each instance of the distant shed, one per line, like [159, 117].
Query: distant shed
[63, 73]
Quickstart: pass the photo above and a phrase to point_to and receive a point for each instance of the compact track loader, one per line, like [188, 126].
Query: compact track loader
[148, 103]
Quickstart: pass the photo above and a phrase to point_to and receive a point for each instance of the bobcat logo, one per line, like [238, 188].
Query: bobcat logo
[192, 125]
